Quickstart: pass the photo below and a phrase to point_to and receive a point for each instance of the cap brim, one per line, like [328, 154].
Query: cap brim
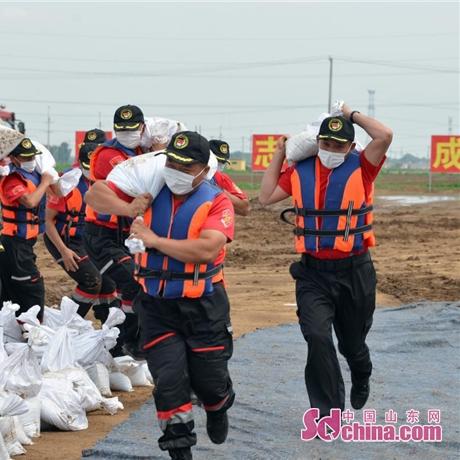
[85, 165]
[222, 159]
[334, 138]
[131, 127]
[29, 154]
[176, 157]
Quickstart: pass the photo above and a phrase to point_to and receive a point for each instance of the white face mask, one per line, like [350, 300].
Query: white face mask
[130, 139]
[85, 172]
[29, 166]
[221, 166]
[331, 159]
[178, 182]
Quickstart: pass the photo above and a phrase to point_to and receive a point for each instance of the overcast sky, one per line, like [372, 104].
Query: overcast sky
[230, 68]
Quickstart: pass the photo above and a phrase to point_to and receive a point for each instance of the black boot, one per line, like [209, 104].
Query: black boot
[217, 426]
[359, 394]
[183, 453]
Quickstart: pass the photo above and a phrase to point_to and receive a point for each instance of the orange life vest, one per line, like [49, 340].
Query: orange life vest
[346, 217]
[161, 275]
[26, 223]
[70, 223]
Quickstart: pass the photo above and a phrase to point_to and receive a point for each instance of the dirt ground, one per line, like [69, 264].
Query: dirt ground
[417, 257]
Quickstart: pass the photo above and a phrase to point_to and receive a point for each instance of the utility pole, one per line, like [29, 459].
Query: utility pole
[449, 125]
[100, 120]
[329, 106]
[48, 130]
[242, 143]
[370, 108]
[220, 132]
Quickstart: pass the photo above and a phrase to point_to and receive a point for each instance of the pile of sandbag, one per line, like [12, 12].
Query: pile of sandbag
[53, 373]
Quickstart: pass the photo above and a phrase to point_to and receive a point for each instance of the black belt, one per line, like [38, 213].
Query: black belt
[11, 220]
[298, 231]
[168, 275]
[99, 230]
[337, 264]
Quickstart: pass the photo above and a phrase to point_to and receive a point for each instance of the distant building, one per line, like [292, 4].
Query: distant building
[237, 165]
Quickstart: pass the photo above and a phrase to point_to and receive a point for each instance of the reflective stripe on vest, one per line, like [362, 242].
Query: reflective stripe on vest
[70, 223]
[345, 195]
[91, 214]
[186, 223]
[18, 220]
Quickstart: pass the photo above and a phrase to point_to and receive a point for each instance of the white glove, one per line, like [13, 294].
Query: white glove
[69, 180]
[336, 108]
[135, 245]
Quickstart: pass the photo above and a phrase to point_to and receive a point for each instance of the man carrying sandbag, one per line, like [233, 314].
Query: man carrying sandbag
[238, 198]
[184, 310]
[65, 223]
[22, 194]
[335, 279]
[104, 233]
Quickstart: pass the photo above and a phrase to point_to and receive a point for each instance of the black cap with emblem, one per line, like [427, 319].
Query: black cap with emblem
[127, 118]
[221, 150]
[338, 129]
[85, 153]
[95, 135]
[188, 147]
[25, 149]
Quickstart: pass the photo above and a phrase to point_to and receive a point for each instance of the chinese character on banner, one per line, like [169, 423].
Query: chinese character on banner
[445, 154]
[80, 135]
[263, 146]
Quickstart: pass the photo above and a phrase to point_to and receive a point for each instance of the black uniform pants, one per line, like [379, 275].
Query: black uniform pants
[189, 343]
[92, 290]
[107, 251]
[339, 294]
[22, 281]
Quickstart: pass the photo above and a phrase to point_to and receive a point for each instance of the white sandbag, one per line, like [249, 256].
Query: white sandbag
[9, 140]
[4, 454]
[20, 433]
[120, 382]
[112, 405]
[133, 369]
[301, 146]
[99, 374]
[66, 315]
[144, 174]
[159, 130]
[38, 338]
[11, 404]
[31, 419]
[116, 316]
[91, 397]
[69, 180]
[89, 345]
[147, 372]
[11, 330]
[52, 317]
[45, 162]
[8, 432]
[3, 353]
[20, 373]
[30, 316]
[59, 354]
[61, 404]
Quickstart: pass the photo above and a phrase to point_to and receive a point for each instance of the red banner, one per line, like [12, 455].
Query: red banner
[445, 154]
[80, 135]
[263, 146]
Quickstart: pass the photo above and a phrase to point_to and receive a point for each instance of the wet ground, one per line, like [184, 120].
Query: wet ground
[415, 351]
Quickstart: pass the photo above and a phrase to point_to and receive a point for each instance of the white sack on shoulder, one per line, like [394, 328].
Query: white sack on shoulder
[69, 180]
